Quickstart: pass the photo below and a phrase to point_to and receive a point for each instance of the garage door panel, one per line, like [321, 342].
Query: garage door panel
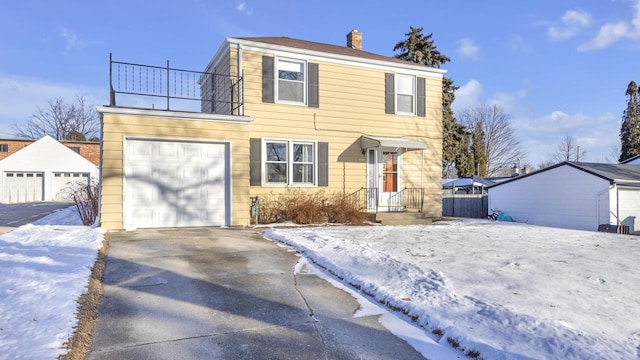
[175, 184]
[22, 187]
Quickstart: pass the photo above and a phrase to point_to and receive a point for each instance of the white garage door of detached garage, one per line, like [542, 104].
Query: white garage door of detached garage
[176, 183]
[23, 186]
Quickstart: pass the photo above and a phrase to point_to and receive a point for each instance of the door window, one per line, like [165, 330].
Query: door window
[389, 171]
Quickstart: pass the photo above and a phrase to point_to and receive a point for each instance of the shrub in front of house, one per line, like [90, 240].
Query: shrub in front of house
[310, 207]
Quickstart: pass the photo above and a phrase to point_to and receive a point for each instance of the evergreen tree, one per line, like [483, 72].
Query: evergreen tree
[420, 49]
[630, 129]
[478, 148]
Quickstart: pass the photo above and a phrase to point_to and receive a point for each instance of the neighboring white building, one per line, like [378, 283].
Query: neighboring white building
[632, 160]
[40, 171]
[572, 195]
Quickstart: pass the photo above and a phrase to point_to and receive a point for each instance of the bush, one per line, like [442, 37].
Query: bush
[307, 207]
[85, 197]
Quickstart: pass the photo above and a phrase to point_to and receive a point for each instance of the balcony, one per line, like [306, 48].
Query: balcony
[166, 88]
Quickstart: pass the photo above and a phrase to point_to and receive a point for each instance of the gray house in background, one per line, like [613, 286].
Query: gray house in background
[573, 195]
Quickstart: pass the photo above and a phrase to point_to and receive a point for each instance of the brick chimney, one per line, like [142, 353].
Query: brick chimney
[354, 40]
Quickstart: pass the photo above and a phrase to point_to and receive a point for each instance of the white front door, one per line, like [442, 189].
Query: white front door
[384, 173]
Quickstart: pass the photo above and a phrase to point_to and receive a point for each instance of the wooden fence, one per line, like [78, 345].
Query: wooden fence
[463, 205]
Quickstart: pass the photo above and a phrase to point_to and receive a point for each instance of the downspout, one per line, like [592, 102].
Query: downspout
[598, 195]
[240, 80]
[617, 206]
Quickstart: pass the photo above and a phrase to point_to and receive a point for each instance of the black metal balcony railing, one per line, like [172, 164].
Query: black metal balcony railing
[166, 88]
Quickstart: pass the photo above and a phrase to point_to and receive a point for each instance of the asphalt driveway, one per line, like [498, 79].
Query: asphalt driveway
[14, 215]
[211, 293]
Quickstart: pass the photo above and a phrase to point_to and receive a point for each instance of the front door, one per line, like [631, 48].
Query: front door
[383, 174]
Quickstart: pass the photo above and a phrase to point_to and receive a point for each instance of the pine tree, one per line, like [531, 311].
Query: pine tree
[630, 129]
[478, 148]
[420, 49]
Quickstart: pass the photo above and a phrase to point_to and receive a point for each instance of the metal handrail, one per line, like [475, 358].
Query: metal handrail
[216, 93]
[407, 198]
[365, 198]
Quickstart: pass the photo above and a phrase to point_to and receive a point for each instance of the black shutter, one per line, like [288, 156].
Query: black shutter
[267, 79]
[255, 162]
[323, 164]
[422, 101]
[389, 93]
[313, 91]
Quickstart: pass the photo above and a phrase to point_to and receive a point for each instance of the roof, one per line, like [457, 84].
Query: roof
[330, 49]
[466, 181]
[620, 174]
[630, 159]
[367, 141]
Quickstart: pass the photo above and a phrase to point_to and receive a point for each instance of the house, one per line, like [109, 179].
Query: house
[41, 171]
[274, 113]
[89, 150]
[572, 195]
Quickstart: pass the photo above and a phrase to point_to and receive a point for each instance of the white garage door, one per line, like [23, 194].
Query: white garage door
[176, 184]
[20, 186]
[64, 183]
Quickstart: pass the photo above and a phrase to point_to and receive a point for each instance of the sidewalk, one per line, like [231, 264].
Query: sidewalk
[209, 293]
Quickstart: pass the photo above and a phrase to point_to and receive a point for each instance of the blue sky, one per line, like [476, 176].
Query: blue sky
[557, 67]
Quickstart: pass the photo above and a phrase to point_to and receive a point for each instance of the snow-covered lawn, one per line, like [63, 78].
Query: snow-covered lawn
[508, 291]
[44, 268]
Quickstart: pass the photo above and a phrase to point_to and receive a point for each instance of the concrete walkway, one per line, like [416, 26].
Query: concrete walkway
[210, 293]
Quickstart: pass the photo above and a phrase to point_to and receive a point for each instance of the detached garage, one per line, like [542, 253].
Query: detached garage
[42, 171]
[174, 183]
[573, 195]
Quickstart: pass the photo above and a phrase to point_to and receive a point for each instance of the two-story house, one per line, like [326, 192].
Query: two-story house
[274, 113]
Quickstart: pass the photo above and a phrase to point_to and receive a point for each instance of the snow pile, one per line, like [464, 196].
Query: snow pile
[508, 291]
[44, 269]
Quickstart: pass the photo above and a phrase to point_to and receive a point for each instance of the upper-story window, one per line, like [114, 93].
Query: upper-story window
[4, 147]
[76, 149]
[405, 94]
[291, 80]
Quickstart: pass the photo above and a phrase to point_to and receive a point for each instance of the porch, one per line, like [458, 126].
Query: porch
[402, 208]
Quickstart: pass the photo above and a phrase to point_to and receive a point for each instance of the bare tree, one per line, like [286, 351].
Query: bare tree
[502, 147]
[61, 121]
[568, 150]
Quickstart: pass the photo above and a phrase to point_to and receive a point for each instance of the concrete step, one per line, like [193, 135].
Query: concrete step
[402, 218]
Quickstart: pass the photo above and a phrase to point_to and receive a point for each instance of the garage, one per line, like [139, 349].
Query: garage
[176, 183]
[62, 181]
[23, 186]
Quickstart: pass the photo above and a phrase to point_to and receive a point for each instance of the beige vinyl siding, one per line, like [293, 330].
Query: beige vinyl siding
[352, 103]
[118, 126]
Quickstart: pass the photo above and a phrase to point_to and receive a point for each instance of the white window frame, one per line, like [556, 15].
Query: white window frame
[289, 163]
[413, 94]
[277, 79]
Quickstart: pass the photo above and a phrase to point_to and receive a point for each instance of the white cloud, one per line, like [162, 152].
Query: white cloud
[518, 43]
[467, 95]
[468, 48]
[507, 100]
[71, 38]
[243, 8]
[612, 32]
[609, 34]
[596, 134]
[572, 22]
